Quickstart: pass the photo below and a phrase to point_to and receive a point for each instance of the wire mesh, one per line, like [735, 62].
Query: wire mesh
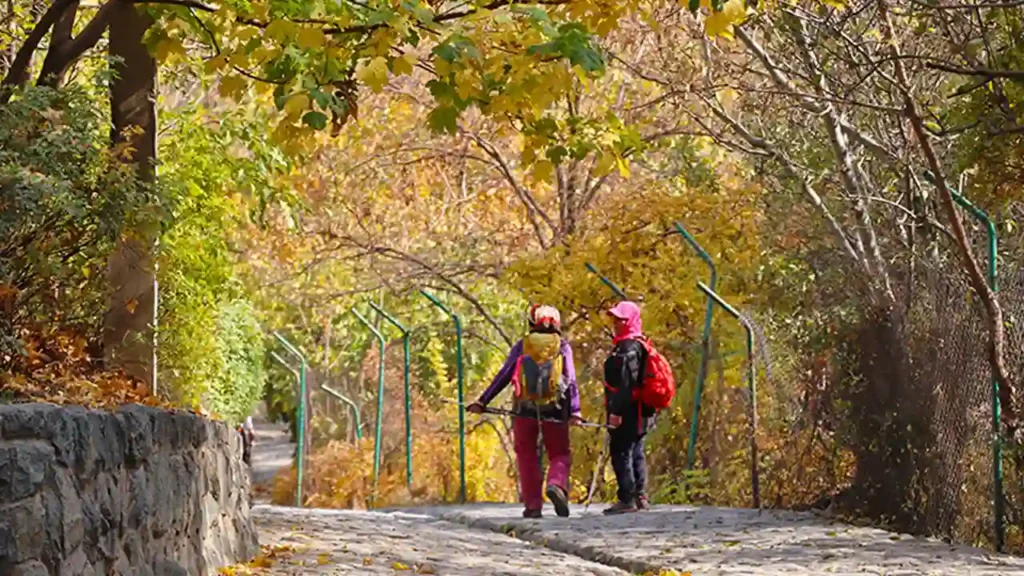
[945, 331]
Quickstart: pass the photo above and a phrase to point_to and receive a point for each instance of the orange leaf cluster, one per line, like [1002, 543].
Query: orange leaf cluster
[58, 369]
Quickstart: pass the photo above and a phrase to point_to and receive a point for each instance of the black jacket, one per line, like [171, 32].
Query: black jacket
[623, 373]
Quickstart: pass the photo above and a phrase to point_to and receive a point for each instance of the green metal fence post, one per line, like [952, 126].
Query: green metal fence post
[351, 404]
[461, 383]
[751, 384]
[380, 402]
[301, 415]
[287, 366]
[618, 291]
[408, 393]
[691, 451]
[998, 497]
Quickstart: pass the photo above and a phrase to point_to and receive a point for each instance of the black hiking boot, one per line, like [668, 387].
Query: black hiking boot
[559, 499]
[532, 513]
[642, 503]
[620, 508]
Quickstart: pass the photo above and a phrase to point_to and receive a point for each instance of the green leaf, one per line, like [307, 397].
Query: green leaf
[421, 12]
[572, 42]
[315, 119]
[443, 119]
[446, 52]
[322, 99]
[556, 154]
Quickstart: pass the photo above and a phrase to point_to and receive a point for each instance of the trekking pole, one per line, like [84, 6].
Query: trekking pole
[598, 469]
[503, 412]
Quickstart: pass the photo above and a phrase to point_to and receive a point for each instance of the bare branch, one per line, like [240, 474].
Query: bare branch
[533, 209]
[1015, 75]
[18, 73]
[60, 59]
[784, 83]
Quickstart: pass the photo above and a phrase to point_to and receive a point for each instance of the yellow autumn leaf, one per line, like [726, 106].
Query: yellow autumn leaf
[261, 561]
[239, 59]
[403, 64]
[231, 86]
[373, 73]
[296, 104]
[399, 567]
[721, 23]
[311, 37]
[465, 83]
[605, 164]
[543, 170]
[280, 30]
[323, 559]
[244, 34]
[837, 4]
[166, 48]
[215, 64]
[623, 166]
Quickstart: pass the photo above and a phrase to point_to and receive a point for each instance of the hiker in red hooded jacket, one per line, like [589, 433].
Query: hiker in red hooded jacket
[629, 418]
[540, 367]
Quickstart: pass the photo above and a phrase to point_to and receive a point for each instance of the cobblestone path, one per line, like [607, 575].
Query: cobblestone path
[493, 539]
[351, 542]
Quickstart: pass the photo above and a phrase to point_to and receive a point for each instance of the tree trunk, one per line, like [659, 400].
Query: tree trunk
[128, 330]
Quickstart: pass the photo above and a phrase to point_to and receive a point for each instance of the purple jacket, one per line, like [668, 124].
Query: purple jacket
[504, 377]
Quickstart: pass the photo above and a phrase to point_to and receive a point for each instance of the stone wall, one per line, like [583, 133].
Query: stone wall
[140, 491]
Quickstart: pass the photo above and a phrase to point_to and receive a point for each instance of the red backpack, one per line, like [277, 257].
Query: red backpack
[659, 385]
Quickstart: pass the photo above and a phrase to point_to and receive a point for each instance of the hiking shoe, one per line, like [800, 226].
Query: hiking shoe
[532, 513]
[642, 503]
[620, 508]
[559, 499]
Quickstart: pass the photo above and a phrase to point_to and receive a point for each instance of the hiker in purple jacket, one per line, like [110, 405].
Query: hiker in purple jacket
[540, 367]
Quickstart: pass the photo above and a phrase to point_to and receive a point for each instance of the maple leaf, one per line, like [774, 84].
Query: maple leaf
[403, 64]
[374, 73]
[543, 170]
[310, 37]
[720, 23]
[232, 86]
[443, 119]
[296, 104]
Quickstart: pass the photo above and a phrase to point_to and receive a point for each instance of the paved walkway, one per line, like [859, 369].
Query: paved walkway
[492, 539]
[271, 451]
[351, 542]
[710, 541]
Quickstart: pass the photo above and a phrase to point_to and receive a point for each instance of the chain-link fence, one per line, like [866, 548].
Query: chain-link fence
[922, 415]
[947, 343]
[1012, 299]
[896, 424]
